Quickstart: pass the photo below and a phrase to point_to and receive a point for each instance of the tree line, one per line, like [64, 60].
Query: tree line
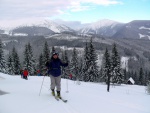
[83, 68]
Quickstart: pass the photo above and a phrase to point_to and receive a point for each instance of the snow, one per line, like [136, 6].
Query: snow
[20, 34]
[142, 36]
[59, 36]
[144, 28]
[23, 97]
[99, 24]
[124, 62]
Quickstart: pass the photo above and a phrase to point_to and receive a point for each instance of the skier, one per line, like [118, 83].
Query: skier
[54, 70]
[21, 73]
[25, 74]
[38, 73]
[70, 76]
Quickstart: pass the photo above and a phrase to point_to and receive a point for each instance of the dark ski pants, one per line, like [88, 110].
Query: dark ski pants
[25, 77]
[55, 82]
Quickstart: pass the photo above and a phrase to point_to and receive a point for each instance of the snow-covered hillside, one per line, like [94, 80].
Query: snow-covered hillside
[54, 27]
[23, 97]
[103, 27]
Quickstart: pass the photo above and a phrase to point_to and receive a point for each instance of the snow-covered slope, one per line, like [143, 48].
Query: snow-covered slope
[23, 97]
[137, 29]
[56, 27]
[103, 27]
[43, 27]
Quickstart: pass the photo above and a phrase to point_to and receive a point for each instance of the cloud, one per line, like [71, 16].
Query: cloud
[82, 5]
[46, 8]
[21, 11]
[31, 8]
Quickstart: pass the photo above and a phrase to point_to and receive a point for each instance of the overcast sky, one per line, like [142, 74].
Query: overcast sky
[13, 12]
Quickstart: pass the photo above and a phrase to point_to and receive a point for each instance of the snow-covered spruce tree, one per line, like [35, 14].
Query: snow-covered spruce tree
[10, 65]
[74, 64]
[125, 75]
[106, 66]
[53, 50]
[65, 70]
[46, 53]
[2, 59]
[29, 61]
[93, 68]
[117, 76]
[84, 74]
[16, 62]
[80, 68]
[41, 64]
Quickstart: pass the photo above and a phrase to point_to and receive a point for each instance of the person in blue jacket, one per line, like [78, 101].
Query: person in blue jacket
[54, 69]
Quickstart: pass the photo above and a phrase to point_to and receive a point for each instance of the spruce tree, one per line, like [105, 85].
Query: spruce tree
[53, 50]
[93, 68]
[41, 65]
[80, 68]
[2, 59]
[74, 65]
[117, 76]
[106, 66]
[84, 74]
[10, 65]
[29, 61]
[46, 52]
[125, 75]
[65, 70]
[135, 77]
[145, 78]
[106, 74]
[16, 62]
[141, 77]
[32, 69]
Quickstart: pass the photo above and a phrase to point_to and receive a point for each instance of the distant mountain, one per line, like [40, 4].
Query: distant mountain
[103, 28]
[41, 28]
[138, 29]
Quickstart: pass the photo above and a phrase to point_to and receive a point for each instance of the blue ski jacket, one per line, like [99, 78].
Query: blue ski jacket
[54, 67]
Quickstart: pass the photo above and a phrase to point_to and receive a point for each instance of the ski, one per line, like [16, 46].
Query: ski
[57, 98]
[65, 101]
[60, 98]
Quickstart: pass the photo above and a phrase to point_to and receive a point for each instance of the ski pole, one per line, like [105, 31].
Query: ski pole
[41, 85]
[67, 85]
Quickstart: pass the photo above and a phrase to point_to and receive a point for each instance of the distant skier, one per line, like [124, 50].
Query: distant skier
[54, 69]
[25, 74]
[21, 73]
[70, 76]
[38, 73]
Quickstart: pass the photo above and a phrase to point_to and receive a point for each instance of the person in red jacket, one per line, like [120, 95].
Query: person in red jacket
[70, 76]
[38, 73]
[25, 74]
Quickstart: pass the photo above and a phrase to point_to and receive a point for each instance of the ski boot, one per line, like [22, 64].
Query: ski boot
[53, 92]
[58, 94]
